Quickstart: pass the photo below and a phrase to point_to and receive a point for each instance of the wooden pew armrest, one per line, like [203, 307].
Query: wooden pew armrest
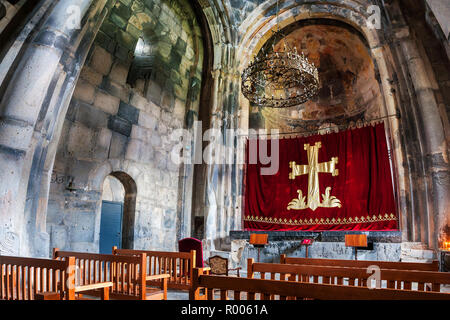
[157, 277]
[93, 286]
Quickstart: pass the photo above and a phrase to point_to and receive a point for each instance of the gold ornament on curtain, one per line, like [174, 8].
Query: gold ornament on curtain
[312, 169]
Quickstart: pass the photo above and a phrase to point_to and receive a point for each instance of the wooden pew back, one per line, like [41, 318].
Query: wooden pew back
[261, 289]
[127, 273]
[179, 265]
[28, 278]
[394, 279]
[433, 266]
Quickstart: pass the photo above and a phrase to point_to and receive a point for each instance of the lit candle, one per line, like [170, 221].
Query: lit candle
[446, 245]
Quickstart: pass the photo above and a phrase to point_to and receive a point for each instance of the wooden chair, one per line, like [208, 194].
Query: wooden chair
[219, 266]
[128, 274]
[189, 244]
[178, 265]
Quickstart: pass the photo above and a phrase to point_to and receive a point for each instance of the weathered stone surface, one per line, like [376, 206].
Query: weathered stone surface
[118, 146]
[91, 76]
[147, 121]
[128, 112]
[120, 125]
[101, 60]
[84, 92]
[106, 102]
[119, 73]
[90, 116]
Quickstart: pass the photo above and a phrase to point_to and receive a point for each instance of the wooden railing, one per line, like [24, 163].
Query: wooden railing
[32, 279]
[208, 287]
[179, 265]
[126, 273]
[393, 279]
[433, 266]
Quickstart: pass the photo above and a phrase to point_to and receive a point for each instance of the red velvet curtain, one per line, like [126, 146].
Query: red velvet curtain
[362, 188]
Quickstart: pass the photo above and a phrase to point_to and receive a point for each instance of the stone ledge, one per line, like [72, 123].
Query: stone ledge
[322, 236]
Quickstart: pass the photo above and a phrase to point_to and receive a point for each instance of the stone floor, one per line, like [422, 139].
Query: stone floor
[177, 295]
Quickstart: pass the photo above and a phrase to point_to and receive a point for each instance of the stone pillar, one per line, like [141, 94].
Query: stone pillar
[221, 183]
[434, 142]
[39, 80]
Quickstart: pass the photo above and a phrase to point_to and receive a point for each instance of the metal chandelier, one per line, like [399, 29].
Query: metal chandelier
[280, 79]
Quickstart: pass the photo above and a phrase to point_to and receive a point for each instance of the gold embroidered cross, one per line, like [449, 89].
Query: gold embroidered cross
[312, 169]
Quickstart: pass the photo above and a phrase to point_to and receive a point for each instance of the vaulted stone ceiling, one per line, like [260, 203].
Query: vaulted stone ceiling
[348, 86]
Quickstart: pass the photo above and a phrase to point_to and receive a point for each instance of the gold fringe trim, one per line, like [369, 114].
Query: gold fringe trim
[310, 221]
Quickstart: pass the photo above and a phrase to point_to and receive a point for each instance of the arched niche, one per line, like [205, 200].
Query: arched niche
[349, 88]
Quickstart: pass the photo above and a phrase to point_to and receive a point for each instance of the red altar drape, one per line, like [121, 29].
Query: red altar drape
[363, 185]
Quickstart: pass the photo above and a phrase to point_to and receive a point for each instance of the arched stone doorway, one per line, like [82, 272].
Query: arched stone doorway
[118, 212]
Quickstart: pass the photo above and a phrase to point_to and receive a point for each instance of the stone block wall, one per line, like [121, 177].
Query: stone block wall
[112, 127]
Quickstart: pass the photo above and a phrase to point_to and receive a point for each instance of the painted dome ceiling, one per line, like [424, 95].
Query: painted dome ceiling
[348, 86]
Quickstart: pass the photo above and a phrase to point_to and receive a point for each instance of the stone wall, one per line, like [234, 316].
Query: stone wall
[111, 127]
[8, 9]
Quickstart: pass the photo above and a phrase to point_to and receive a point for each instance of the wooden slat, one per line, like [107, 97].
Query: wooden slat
[123, 272]
[30, 282]
[20, 283]
[177, 264]
[186, 270]
[223, 295]
[130, 278]
[48, 276]
[2, 282]
[93, 286]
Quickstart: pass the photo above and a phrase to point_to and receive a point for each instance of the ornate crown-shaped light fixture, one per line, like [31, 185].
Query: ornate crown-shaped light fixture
[280, 79]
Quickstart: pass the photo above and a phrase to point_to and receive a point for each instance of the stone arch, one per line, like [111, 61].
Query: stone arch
[351, 13]
[129, 208]
[127, 174]
[418, 221]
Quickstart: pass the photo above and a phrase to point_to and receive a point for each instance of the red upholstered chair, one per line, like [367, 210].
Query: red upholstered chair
[188, 244]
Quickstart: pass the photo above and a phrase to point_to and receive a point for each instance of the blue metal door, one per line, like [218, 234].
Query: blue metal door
[111, 226]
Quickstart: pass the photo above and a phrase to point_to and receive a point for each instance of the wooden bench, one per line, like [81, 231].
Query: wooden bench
[127, 274]
[42, 279]
[433, 266]
[261, 289]
[393, 279]
[178, 265]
